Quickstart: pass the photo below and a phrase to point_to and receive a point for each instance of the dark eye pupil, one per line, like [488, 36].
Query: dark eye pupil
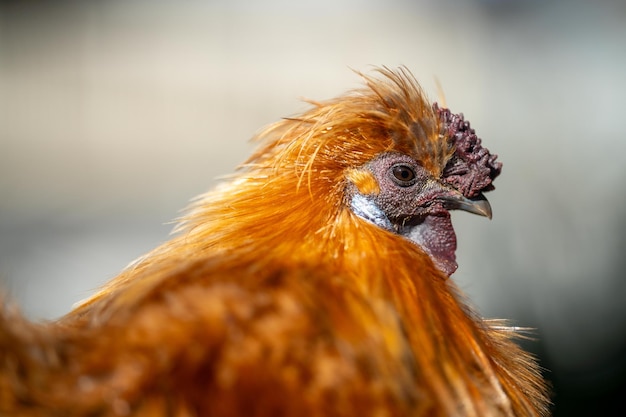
[403, 173]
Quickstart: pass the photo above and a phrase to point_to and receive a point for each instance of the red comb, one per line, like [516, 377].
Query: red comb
[472, 169]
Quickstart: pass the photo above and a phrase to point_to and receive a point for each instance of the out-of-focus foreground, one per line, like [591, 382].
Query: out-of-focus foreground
[113, 115]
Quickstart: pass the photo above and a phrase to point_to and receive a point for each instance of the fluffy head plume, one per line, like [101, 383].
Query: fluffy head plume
[390, 114]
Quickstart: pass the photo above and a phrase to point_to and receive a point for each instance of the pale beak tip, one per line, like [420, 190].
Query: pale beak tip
[478, 205]
[483, 208]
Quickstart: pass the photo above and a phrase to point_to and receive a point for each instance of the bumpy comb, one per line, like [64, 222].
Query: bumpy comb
[472, 169]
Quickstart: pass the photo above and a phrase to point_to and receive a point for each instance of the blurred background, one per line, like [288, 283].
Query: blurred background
[114, 114]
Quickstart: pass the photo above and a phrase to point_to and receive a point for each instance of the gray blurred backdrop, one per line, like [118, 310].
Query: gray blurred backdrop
[114, 114]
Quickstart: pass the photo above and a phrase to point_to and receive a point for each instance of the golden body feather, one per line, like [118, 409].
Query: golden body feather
[276, 299]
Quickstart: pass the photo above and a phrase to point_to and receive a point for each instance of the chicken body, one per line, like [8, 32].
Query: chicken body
[314, 282]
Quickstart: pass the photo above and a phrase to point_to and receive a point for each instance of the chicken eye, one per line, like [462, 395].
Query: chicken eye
[403, 175]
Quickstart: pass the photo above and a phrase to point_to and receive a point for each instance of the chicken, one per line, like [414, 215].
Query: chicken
[315, 281]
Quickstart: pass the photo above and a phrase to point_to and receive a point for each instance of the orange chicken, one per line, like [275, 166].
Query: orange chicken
[314, 282]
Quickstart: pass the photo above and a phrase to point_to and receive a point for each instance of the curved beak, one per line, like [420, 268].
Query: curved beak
[457, 201]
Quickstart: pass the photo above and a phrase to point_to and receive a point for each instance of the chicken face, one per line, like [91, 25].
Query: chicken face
[396, 193]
